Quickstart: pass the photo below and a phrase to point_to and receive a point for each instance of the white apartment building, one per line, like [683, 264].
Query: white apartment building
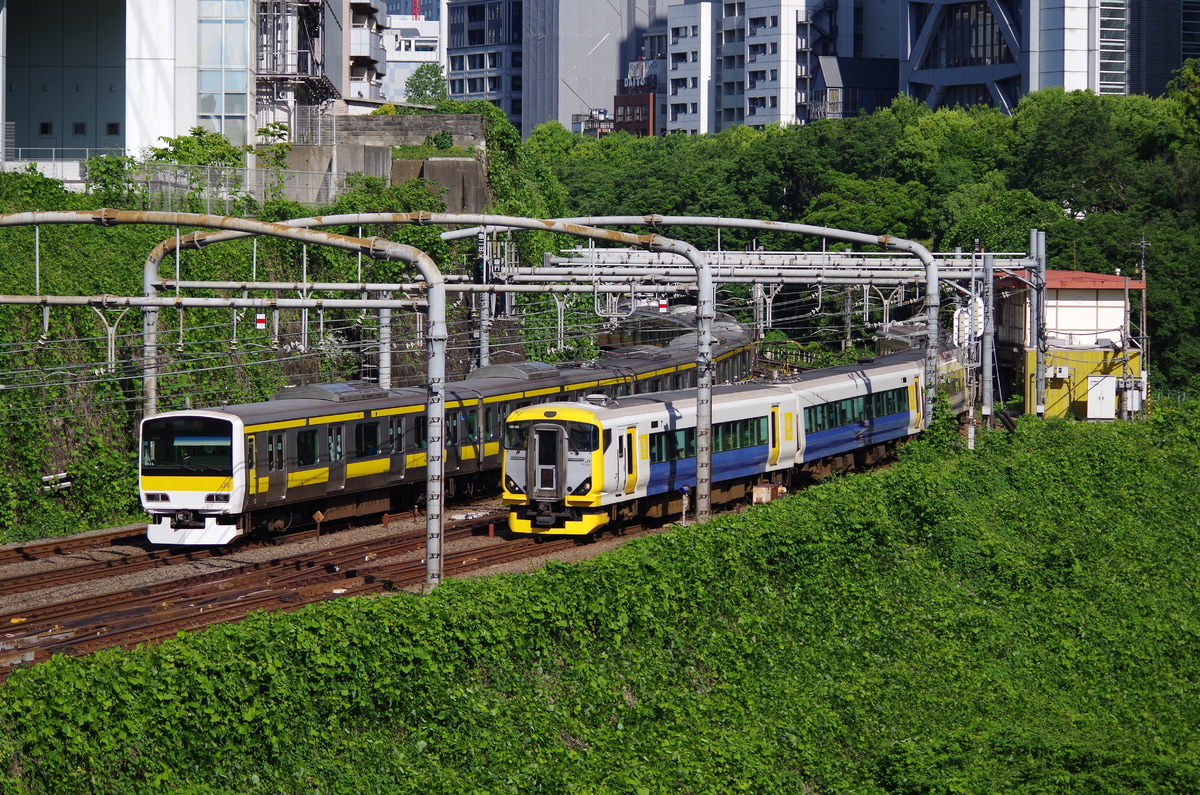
[411, 42]
[744, 62]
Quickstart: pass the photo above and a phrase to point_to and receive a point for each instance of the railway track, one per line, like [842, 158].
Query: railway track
[149, 614]
[65, 546]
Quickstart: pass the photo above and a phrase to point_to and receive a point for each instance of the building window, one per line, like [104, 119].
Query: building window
[493, 83]
[45, 128]
[456, 63]
[223, 79]
[969, 36]
[516, 107]
[475, 85]
[516, 83]
[456, 86]
[475, 60]
[113, 128]
[518, 60]
[494, 60]
[79, 128]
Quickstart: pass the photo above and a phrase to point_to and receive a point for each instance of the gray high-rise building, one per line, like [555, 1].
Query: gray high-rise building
[483, 48]
[977, 52]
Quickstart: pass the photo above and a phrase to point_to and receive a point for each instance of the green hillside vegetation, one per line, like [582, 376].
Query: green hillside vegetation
[1020, 618]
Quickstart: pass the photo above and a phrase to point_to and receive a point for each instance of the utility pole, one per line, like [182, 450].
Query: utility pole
[1143, 329]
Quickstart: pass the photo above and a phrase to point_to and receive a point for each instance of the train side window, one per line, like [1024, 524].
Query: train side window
[275, 460]
[306, 448]
[490, 426]
[607, 439]
[366, 439]
[472, 426]
[395, 435]
[251, 463]
[419, 435]
[336, 451]
[858, 409]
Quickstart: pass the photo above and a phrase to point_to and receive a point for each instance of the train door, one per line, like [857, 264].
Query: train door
[627, 455]
[251, 467]
[451, 454]
[337, 457]
[773, 459]
[917, 399]
[548, 455]
[276, 467]
[395, 446]
[472, 444]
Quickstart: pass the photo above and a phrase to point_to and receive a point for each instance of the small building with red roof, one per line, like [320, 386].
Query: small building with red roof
[1092, 343]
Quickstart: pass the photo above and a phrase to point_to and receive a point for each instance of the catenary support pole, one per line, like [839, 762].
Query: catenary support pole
[989, 336]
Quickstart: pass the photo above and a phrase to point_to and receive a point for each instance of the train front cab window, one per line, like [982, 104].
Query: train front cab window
[187, 445]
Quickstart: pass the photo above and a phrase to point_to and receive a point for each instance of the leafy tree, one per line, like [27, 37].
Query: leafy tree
[998, 218]
[552, 142]
[952, 147]
[1091, 153]
[876, 207]
[200, 147]
[110, 179]
[426, 85]
[1184, 90]
[274, 155]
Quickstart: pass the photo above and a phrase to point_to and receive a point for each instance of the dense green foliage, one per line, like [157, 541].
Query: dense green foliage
[1095, 172]
[427, 84]
[1019, 618]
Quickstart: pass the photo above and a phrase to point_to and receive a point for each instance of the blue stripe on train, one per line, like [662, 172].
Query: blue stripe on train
[851, 437]
[671, 475]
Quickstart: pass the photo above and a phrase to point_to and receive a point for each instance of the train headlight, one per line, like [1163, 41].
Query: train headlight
[216, 498]
[511, 486]
[584, 487]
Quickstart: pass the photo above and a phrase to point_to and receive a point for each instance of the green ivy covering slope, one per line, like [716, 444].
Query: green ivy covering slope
[1019, 618]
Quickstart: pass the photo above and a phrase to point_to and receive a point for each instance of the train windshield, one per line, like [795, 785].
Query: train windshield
[187, 445]
[581, 437]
